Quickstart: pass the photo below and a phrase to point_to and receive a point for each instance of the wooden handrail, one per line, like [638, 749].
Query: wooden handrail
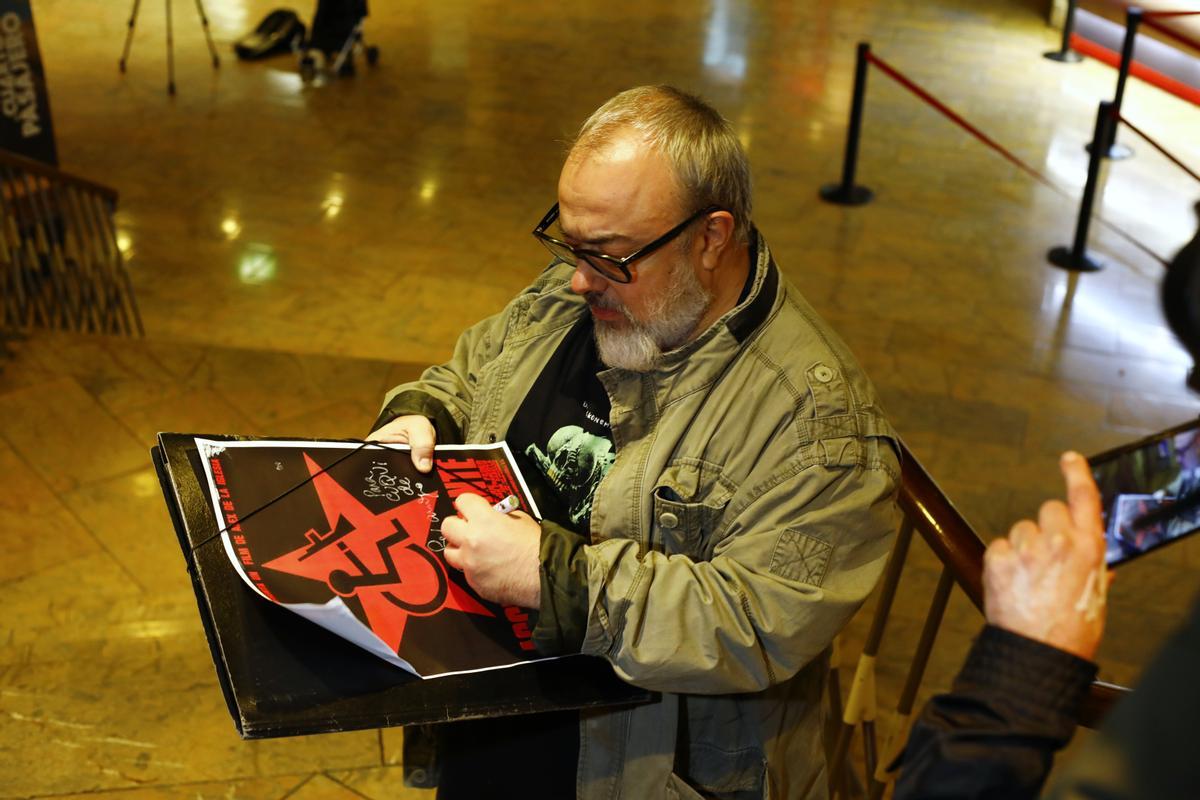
[960, 549]
[51, 173]
[943, 528]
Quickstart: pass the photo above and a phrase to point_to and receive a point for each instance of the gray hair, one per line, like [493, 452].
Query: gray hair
[700, 145]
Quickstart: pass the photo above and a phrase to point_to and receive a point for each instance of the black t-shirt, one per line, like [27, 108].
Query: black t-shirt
[562, 441]
[560, 436]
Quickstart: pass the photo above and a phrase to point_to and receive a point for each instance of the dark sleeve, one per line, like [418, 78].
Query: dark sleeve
[995, 733]
[1146, 747]
[562, 618]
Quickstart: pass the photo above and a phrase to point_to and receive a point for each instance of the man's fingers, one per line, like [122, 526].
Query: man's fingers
[997, 551]
[453, 557]
[386, 434]
[415, 431]
[1019, 535]
[1082, 495]
[453, 530]
[471, 505]
[1054, 518]
[421, 439]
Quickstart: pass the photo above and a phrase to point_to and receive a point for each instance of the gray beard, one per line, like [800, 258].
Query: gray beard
[638, 346]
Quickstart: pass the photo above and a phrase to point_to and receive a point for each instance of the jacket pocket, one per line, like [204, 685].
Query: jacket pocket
[722, 775]
[689, 499]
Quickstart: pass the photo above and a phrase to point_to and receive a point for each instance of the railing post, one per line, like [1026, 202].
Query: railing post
[846, 193]
[1065, 54]
[1076, 257]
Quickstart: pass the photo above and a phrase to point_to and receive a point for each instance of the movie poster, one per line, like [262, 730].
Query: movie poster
[348, 535]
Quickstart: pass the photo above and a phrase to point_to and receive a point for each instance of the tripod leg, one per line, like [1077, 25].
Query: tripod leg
[208, 35]
[129, 34]
[170, 53]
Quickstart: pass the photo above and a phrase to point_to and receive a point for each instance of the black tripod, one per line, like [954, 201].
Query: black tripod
[216, 62]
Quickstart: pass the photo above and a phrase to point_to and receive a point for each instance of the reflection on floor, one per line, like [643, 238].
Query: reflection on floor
[296, 249]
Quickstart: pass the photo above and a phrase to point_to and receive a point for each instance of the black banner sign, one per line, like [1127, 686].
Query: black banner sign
[25, 126]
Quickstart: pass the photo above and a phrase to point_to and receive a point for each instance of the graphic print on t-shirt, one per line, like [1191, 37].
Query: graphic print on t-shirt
[574, 462]
[561, 436]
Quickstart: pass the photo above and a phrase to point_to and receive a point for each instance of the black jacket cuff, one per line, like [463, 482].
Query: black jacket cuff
[1040, 677]
[417, 402]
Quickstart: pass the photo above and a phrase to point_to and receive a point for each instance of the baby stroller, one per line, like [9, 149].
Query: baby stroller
[336, 33]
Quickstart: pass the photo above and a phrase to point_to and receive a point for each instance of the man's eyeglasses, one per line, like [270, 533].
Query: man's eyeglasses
[611, 267]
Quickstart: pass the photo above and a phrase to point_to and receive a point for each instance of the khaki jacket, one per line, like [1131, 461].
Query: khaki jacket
[748, 514]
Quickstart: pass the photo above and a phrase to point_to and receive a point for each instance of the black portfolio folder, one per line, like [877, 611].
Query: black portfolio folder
[284, 676]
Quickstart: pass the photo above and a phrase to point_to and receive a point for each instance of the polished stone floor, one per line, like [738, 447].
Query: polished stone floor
[295, 248]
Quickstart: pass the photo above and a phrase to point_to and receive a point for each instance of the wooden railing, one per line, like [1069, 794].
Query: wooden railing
[60, 265]
[930, 513]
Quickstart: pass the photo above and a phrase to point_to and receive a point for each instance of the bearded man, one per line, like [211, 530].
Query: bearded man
[744, 505]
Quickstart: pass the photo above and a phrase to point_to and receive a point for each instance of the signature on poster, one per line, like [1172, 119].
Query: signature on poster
[382, 483]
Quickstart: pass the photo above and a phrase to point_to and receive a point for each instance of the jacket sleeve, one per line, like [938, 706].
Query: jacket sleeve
[805, 546]
[994, 735]
[445, 393]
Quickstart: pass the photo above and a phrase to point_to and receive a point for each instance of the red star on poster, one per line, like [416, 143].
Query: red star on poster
[382, 560]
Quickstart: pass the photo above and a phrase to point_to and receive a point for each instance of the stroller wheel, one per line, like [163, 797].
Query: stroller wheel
[308, 68]
[372, 55]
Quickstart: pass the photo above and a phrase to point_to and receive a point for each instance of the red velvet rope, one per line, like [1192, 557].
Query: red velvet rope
[958, 120]
[1158, 147]
[1165, 31]
[1146, 14]
[907, 83]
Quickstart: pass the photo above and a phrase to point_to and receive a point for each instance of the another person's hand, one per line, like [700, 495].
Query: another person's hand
[498, 553]
[1047, 581]
[416, 432]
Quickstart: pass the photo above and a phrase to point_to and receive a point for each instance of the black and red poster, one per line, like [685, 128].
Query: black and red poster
[348, 536]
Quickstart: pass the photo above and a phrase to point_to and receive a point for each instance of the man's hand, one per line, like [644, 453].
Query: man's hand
[416, 432]
[1047, 580]
[499, 553]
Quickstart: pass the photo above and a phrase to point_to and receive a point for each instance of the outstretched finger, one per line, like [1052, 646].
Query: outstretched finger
[1083, 498]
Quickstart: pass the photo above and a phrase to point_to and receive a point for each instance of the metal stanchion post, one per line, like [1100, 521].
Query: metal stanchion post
[1133, 19]
[1065, 53]
[1076, 257]
[846, 193]
[170, 52]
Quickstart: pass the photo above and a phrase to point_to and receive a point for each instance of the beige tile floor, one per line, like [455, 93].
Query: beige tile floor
[297, 249]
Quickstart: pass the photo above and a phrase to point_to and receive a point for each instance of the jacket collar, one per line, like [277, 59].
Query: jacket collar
[741, 321]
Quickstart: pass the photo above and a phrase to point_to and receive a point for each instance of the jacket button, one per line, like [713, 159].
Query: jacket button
[491, 438]
[823, 373]
[668, 520]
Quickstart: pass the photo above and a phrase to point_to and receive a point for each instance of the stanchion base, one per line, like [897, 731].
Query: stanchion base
[1063, 56]
[837, 193]
[1064, 258]
[1118, 152]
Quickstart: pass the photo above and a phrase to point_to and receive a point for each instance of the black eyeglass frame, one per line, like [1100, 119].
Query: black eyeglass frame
[622, 272]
